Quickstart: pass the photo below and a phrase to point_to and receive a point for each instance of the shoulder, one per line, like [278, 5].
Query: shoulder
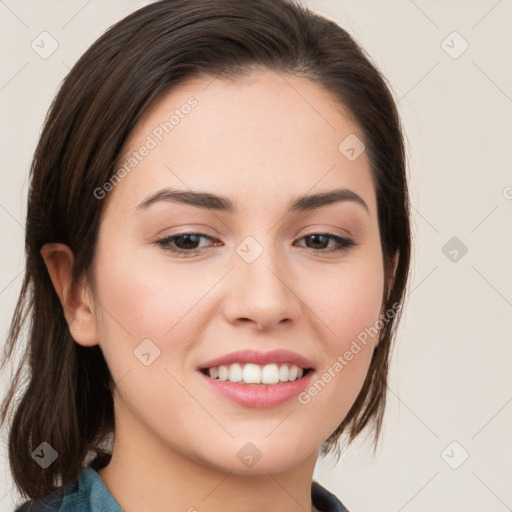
[324, 500]
[50, 503]
[84, 495]
[87, 494]
[70, 497]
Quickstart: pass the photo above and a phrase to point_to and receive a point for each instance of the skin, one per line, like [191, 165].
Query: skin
[258, 142]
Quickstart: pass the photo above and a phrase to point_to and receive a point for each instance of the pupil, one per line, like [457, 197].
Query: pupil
[187, 245]
[315, 238]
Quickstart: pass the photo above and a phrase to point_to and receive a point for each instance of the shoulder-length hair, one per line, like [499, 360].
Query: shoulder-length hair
[67, 401]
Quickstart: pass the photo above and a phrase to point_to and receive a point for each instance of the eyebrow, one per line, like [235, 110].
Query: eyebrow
[224, 204]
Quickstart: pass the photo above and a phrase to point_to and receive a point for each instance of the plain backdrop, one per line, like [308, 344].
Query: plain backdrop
[446, 444]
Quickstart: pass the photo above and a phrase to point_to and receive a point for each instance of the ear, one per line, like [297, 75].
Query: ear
[76, 299]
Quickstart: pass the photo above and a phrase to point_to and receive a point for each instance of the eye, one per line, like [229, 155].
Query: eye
[343, 243]
[187, 241]
[186, 244]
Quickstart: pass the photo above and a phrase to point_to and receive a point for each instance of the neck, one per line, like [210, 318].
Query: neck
[149, 475]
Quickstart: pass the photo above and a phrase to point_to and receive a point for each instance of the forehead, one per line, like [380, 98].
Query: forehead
[265, 135]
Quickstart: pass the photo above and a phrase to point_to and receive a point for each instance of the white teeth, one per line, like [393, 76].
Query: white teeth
[235, 373]
[252, 374]
[223, 373]
[270, 374]
[255, 374]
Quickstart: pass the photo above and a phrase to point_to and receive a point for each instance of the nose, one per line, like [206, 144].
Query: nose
[261, 293]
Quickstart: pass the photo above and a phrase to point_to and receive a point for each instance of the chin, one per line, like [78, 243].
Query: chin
[244, 457]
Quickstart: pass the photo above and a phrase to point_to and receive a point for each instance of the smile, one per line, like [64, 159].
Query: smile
[251, 373]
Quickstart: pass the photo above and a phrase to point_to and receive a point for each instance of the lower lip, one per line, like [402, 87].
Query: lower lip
[259, 395]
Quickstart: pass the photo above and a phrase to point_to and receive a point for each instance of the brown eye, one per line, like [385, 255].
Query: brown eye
[320, 242]
[185, 243]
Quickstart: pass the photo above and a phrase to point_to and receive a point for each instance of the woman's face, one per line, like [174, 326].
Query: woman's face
[261, 276]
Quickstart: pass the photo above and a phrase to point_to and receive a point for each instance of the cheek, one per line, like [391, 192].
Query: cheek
[348, 301]
[348, 306]
[142, 296]
[151, 314]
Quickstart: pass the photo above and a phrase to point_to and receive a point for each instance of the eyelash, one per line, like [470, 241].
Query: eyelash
[344, 243]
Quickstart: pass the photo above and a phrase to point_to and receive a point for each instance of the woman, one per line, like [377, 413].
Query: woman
[217, 250]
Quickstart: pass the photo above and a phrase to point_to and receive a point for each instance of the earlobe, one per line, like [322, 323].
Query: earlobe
[78, 311]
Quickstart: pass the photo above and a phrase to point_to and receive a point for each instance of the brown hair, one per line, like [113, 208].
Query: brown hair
[68, 398]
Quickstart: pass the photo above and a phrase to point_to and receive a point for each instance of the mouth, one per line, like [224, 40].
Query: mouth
[257, 386]
[251, 373]
[258, 380]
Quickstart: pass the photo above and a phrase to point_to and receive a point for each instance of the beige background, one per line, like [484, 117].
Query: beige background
[452, 365]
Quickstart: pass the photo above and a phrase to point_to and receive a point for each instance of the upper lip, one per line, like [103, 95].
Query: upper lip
[261, 358]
